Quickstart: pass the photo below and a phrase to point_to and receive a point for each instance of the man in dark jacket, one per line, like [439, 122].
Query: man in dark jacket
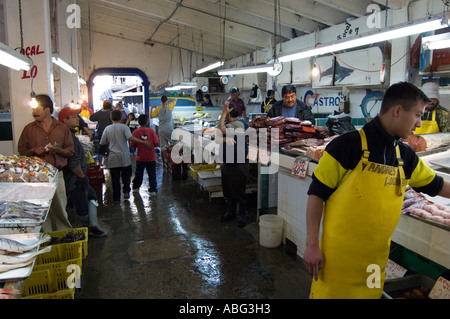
[79, 192]
[289, 106]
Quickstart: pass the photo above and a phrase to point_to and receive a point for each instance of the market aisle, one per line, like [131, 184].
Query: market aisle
[174, 246]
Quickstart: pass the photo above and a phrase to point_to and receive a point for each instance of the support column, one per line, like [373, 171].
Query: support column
[66, 84]
[37, 46]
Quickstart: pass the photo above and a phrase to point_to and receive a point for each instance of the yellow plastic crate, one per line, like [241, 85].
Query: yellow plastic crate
[61, 256]
[62, 233]
[48, 284]
[201, 168]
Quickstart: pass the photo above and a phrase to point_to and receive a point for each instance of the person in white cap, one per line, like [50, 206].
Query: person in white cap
[435, 119]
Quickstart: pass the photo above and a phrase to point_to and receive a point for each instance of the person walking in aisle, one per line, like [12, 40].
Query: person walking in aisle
[79, 193]
[103, 119]
[146, 156]
[358, 188]
[164, 114]
[119, 162]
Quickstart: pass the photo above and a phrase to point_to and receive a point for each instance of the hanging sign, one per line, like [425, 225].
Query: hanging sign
[441, 289]
[30, 51]
[300, 167]
[394, 270]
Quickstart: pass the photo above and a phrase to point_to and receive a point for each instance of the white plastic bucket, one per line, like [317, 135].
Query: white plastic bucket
[270, 230]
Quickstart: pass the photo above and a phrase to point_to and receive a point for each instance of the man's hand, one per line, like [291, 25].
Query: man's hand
[40, 150]
[313, 259]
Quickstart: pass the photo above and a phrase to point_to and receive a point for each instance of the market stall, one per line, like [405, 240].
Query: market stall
[34, 264]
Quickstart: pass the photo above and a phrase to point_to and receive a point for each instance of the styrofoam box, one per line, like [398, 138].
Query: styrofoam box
[210, 178]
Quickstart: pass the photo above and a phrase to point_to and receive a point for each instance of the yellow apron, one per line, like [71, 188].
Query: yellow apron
[428, 127]
[359, 219]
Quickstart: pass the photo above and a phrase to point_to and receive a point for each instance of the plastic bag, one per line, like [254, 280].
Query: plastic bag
[340, 124]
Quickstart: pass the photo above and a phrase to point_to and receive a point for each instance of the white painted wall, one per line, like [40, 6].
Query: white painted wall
[160, 63]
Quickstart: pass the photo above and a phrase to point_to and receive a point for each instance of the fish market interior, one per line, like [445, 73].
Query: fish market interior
[185, 150]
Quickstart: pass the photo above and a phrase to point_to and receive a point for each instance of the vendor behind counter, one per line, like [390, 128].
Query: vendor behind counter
[290, 106]
[435, 119]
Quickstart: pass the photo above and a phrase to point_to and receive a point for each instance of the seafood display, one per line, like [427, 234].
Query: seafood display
[16, 211]
[26, 191]
[10, 245]
[24, 169]
[418, 205]
[289, 131]
[17, 259]
[18, 253]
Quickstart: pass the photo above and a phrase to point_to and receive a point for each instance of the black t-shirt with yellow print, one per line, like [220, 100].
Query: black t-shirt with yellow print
[344, 153]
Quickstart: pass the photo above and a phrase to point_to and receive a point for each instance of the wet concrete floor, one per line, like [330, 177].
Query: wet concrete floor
[174, 247]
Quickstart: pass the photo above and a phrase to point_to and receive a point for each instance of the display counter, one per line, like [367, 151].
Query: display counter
[428, 240]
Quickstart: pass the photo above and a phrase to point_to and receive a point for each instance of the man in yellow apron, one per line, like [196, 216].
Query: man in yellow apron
[361, 179]
[435, 119]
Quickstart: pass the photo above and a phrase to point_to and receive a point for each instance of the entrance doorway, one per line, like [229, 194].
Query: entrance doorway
[131, 86]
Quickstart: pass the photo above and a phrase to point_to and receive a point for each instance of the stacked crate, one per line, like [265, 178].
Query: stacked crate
[96, 179]
[57, 274]
[177, 171]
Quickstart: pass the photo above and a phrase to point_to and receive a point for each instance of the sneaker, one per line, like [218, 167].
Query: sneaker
[126, 195]
[96, 231]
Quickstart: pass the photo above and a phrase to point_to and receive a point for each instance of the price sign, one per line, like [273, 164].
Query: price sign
[394, 270]
[252, 154]
[264, 157]
[299, 167]
[441, 289]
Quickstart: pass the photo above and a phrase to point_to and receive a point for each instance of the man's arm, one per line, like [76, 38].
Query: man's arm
[137, 140]
[312, 257]
[154, 113]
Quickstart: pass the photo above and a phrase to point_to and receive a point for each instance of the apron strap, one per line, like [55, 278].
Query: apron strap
[364, 148]
[401, 172]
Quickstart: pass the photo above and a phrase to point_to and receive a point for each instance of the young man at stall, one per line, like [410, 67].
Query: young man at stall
[238, 102]
[81, 195]
[164, 115]
[117, 136]
[290, 106]
[233, 149]
[360, 184]
[52, 141]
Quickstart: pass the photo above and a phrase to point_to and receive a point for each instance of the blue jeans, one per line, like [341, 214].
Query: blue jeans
[116, 174]
[139, 174]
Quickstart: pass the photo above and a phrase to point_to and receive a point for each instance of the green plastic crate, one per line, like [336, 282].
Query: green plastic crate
[416, 263]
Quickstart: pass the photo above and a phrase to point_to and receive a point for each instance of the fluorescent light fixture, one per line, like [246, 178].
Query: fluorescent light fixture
[81, 80]
[182, 86]
[13, 59]
[209, 67]
[402, 30]
[436, 42]
[272, 69]
[63, 64]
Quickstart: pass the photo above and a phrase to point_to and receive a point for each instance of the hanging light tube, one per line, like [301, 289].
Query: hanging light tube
[273, 69]
[63, 64]
[13, 59]
[403, 30]
[182, 86]
[209, 67]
